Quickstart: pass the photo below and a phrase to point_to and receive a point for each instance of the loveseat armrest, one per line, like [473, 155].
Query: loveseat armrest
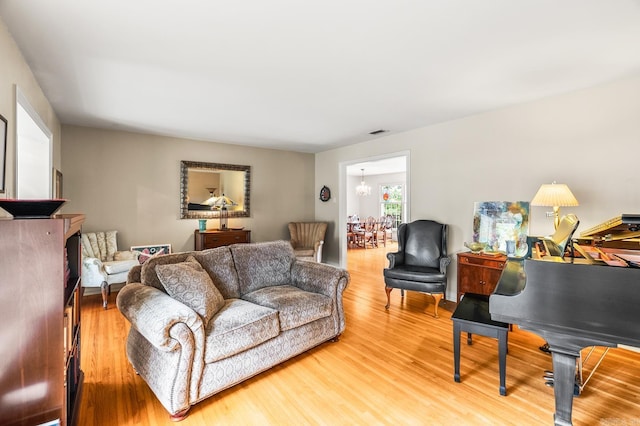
[134, 274]
[153, 313]
[319, 278]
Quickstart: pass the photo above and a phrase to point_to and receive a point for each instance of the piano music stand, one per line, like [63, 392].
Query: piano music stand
[472, 315]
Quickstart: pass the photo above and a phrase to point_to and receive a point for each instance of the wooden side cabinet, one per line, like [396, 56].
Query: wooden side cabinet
[211, 239]
[40, 309]
[478, 273]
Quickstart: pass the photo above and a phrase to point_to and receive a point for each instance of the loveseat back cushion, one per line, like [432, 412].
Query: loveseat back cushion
[295, 307]
[218, 263]
[238, 326]
[189, 283]
[263, 264]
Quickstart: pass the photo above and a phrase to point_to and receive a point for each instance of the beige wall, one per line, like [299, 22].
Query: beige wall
[587, 139]
[131, 182]
[15, 71]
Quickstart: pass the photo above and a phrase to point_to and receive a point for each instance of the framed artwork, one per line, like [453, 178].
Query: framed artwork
[57, 183]
[496, 222]
[147, 252]
[3, 151]
[325, 194]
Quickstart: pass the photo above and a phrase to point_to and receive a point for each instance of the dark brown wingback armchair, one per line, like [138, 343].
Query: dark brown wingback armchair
[420, 264]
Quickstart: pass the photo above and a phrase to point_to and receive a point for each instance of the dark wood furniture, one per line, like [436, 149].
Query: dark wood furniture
[212, 238]
[478, 273]
[472, 315]
[40, 305]
[572, 304]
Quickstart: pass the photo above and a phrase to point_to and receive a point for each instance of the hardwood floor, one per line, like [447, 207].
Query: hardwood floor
[390, 367]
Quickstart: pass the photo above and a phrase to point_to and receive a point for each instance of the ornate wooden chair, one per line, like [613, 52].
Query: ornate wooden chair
[367, 234]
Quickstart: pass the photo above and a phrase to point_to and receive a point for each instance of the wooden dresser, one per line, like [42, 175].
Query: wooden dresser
[478, 273]
[212, 238]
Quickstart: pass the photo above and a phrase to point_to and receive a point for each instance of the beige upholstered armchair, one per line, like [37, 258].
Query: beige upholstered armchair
[307, 239]
[103, 264]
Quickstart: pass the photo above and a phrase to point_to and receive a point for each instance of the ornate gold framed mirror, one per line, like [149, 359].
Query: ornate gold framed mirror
[204, 187]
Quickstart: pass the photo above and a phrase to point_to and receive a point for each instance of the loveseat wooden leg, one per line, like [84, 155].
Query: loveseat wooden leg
[335, 339]
[104, 289]
[180, 415]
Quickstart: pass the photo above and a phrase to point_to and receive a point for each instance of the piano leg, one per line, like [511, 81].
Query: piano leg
[564, 379]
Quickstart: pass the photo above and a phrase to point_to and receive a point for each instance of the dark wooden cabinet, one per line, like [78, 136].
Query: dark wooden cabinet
[478, 273]
[40, 310]
[210, 239]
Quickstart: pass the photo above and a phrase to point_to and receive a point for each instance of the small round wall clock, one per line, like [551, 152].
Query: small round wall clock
[325, 193]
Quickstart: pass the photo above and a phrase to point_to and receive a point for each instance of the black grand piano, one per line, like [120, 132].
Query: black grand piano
[573, 304]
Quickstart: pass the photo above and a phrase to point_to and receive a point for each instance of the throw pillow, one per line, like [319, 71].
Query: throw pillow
[190, 284]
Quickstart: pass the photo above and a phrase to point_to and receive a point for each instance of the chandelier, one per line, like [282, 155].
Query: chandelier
[363, 189]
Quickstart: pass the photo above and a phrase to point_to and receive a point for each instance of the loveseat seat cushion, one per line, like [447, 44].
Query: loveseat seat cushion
[295, 306]
[263, 264]
[238, 326]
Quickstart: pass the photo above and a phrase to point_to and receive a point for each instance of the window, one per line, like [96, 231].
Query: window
[392, 202]
[34, 152]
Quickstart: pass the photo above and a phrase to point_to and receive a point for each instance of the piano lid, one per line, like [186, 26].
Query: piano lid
[619, 228]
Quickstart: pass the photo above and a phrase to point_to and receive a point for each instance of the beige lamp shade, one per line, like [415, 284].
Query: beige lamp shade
[554, 195]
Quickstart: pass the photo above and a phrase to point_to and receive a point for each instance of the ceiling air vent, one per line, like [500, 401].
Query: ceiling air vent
[377, 132]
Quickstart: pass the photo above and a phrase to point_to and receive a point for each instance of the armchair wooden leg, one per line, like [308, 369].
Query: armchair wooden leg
[436, 298]
[388, 290]
[104, 289]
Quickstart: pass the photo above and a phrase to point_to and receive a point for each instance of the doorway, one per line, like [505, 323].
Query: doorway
[373, 187]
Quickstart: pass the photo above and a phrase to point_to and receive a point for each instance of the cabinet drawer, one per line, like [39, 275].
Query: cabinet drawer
[217, 240]
[486, 262]
[211, 239]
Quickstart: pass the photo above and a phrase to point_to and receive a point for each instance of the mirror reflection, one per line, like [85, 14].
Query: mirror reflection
[206, 188]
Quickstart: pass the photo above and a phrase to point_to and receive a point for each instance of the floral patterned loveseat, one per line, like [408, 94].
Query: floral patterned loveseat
[204, 321]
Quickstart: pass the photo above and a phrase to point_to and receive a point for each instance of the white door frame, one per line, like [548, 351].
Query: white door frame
[342, 205]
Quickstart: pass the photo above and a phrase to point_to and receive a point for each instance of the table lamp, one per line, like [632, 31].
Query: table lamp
[554, 195]
[222, 202]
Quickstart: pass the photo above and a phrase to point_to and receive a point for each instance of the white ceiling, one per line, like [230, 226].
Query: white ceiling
[313, 75]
